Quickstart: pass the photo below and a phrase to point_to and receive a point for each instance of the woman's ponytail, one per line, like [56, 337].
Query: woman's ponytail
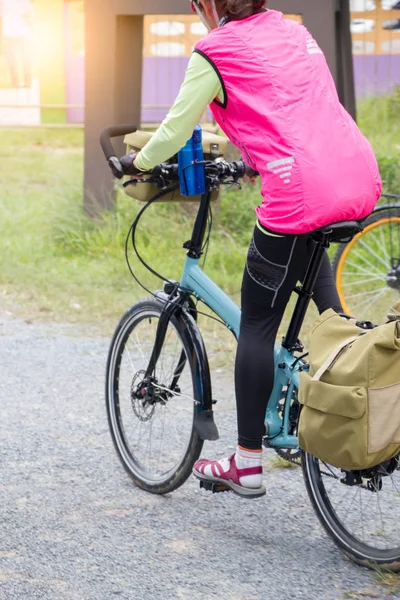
[240, 9]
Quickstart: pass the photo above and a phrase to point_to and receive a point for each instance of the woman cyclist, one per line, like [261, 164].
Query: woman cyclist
[270, 90]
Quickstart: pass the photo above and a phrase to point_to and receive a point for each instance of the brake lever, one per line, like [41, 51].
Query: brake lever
[132, 182]
[160, 182]
[213, 183]
[116, 167]
[233, 183]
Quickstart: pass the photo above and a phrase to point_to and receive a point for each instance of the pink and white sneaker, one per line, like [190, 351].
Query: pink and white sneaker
[244, 482]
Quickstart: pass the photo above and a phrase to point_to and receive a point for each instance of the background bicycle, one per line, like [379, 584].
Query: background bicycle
[367, 269]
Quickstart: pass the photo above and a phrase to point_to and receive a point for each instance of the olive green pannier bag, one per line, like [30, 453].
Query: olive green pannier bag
[351, 395]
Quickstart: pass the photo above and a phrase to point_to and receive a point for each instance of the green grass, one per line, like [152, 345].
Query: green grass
[279, 463]
[58, 264]
[386, 586]
[389, 581]
[378, 118]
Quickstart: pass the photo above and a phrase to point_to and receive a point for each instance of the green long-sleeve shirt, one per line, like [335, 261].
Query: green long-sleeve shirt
[201, 85]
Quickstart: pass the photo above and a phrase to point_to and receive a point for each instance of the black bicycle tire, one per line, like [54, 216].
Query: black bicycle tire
[183, 326]
[356, 550]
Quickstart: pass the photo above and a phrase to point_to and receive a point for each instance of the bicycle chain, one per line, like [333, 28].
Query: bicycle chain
[295, 458]
[287, 454]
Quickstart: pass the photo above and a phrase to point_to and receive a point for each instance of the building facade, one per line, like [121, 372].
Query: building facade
[57, 93]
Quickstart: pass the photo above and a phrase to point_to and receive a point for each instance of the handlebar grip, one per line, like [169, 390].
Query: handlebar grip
[240, 167]
[111, 132]
[250, 172]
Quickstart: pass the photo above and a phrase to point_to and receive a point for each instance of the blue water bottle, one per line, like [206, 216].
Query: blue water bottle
[191, 165]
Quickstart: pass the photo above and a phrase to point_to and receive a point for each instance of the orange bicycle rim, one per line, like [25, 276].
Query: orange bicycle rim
[345, 253]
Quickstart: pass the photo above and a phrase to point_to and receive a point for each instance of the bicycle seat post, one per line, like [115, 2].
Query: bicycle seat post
[305, 292]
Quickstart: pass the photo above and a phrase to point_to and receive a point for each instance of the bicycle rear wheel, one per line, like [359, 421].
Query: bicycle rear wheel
[152, 420]
[367, 269]
[362, 518]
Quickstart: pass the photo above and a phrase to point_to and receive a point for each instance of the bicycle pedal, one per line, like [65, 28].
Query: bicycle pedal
[213, 487]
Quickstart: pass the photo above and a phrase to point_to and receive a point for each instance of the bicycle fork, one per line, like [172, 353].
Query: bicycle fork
[170, 307]
[203, 417]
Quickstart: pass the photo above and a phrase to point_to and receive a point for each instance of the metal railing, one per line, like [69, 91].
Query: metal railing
[24, 106]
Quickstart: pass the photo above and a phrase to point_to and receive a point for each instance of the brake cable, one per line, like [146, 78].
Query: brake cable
[131, 236]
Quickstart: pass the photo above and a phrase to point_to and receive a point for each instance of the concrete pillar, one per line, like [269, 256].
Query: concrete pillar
[114, 48]
[329, 23]
[128, 70]
[344, 45]
[114, 45]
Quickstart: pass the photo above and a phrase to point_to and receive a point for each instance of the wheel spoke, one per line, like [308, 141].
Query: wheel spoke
[362, 517]
[161, 441]
[370, 250]
[370, 268]
[138, 345]
[371, 293]
[176, 395]
[382, 245]
[380, 510]
[358, 267]
[134, 370]
[371, 302]
[352, 284]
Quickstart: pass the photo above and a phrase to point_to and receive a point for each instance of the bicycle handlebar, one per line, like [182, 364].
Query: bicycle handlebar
[108, 149]
[111, 132]
[163, 174]
[216, 172]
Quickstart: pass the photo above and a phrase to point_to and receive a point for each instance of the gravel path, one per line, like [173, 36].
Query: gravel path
[74, 527]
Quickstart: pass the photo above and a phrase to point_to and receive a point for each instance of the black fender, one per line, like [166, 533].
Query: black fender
[383, 207]
[204, 415]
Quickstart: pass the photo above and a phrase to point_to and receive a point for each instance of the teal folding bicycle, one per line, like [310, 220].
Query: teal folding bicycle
[159, 394]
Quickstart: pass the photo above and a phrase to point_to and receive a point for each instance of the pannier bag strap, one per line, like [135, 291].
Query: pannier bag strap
[333, 356]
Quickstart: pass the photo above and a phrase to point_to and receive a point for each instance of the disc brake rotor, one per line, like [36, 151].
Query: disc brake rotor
[142, 406]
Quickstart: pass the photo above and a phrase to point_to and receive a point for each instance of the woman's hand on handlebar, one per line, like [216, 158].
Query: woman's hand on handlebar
[129, 166]
[250, 175]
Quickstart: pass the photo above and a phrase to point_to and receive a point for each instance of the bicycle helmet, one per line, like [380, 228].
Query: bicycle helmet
[197, 8]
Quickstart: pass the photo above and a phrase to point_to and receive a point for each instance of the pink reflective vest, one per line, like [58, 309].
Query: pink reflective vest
[281, 109]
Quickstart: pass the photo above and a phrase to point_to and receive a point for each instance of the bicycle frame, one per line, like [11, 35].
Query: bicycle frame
[195, 282]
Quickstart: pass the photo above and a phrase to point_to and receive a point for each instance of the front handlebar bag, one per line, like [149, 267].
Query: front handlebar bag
[214, 146]
[351, 396]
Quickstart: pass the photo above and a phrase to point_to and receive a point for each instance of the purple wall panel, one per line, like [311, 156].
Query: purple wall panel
[162, 77]
[376, 74]
[76, 88]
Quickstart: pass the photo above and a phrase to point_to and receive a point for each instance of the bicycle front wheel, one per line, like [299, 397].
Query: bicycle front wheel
[367, 269]
[362, 516]
[152, 420]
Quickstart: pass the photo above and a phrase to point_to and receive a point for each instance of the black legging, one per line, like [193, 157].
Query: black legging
[274, 266]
